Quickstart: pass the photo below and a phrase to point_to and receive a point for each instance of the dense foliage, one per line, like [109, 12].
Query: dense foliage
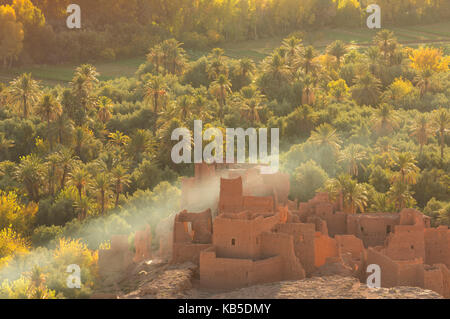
[83, 162]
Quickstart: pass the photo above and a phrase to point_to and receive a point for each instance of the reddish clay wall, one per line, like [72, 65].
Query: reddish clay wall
[229, 273]
[238, 238]
[303, 235]
[437, 246]
[324, 247]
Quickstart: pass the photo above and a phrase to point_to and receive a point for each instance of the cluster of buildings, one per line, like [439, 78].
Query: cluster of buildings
[241, 229]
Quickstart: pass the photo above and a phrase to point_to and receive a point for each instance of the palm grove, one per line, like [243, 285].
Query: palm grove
[84, 161]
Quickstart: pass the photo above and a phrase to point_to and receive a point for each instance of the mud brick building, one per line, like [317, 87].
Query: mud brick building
[239, 226]
[248, 232]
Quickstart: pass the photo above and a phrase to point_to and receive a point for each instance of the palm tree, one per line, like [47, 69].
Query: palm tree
[326, 135]
[89, 74]
[385, 120]
[5, 145]
[83, 205]
[82, 140]
[52, 168]
[155, 89]
[216, 64]
[29, 173]
[441, 123]
[252, 99]
[308, 96]
[174, 56]
[293, 47]
[63, 126]
[101, 186]
[307, 61]
[49, 109]
[104, 105]
[120, 180]
[24, 92]
[119, 139]
[276, 67]
[407, 169]
[338, 50]
[246, 67]
[83, 82]
[155, 56]
[387, 43]
[366, 90]
[424, 81]
[353, 155]
[220, 88]
[66, 163]
[422, 130]
[352, 194]
[140, 142]
[373, 60]
[399, 195]
[184, 107]
[80, 179]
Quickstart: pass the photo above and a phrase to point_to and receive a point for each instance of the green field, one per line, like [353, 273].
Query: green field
[434, 34]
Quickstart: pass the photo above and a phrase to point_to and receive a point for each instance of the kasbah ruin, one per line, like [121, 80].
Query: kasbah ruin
[240, 228]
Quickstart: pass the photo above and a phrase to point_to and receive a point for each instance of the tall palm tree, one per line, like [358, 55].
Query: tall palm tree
[407, 169]
[251, 100]
[326, 135]
[66, 163]
[174, 56]
[387, 44]
[83, 205]
[89, 74]
[82, 84]
[24, 92]
[80, 179]
[104, 106]
[275, 66]
[155, 89]
[424, 81]
[140, 142]
[399, 195]
[422, 130]
[5, 145]
[63, 127]
[385, 120]
[307, 60]
[29, 174]
[366, 90]
[216, 64]
[338, 50]
[441, 123]
[184, 107]
[352, 194]
[293, 48]
[49, 109]
[51, 165]
[220, 88]
[353, 155]
[373, 60]
[246, 67]
[308, 96]
[101, 186]
[120, 180]
[155, 57]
